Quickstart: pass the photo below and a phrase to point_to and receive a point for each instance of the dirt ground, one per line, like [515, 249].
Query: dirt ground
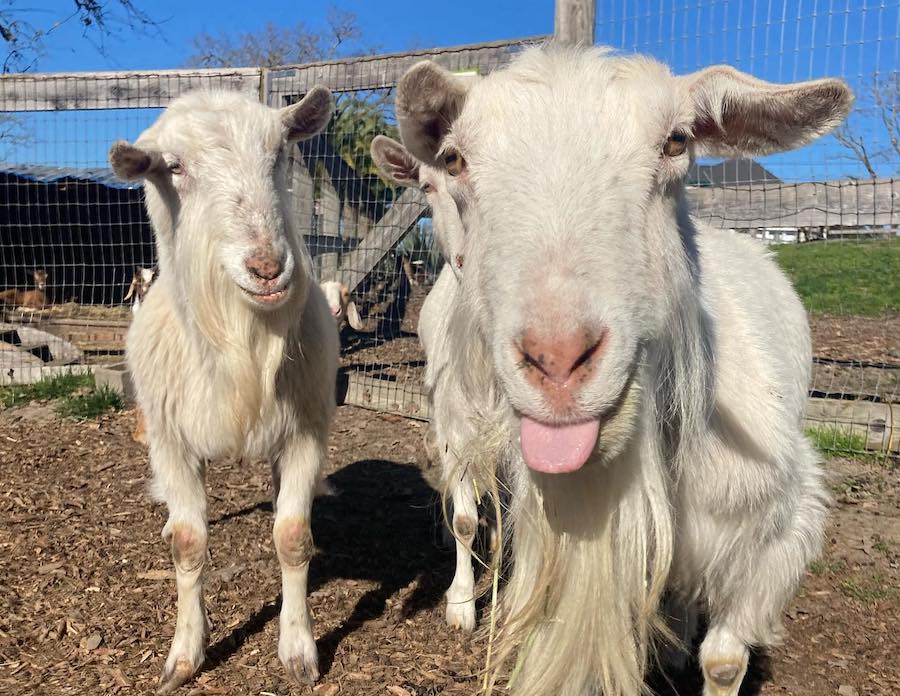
[87, 592]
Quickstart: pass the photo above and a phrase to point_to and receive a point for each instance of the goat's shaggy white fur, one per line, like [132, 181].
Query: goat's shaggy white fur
[234, 352]
[701, 483]
[451, 429]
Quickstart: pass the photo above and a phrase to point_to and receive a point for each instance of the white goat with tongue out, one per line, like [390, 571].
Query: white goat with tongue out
[641, 376]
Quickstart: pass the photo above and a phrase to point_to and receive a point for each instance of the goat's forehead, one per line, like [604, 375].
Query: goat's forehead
[224, 121]
[546, 97]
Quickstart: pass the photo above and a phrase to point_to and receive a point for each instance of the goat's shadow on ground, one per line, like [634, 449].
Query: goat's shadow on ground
[382, 526]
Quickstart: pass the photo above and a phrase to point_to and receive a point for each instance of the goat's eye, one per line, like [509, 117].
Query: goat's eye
[426, 187]
[176, 167]
[676, 144]
[454, 163]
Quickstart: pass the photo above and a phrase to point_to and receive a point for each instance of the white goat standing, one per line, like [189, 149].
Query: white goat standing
[642, 375]
[450, 422]
[140, 285]
[341, 306]
[234, 353]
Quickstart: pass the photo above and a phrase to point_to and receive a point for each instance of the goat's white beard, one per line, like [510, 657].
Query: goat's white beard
[590, 552]
[246, 346]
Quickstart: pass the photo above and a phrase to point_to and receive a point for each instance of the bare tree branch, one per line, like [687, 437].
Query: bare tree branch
[99, 20]
[860, 134]
[857, 146]
[273, 45]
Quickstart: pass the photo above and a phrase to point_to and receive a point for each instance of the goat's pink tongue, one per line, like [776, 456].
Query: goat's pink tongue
[557, 449]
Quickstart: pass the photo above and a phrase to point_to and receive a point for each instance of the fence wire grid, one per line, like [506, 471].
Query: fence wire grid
[829, 211]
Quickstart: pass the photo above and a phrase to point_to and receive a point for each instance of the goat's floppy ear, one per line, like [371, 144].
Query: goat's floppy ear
[429, 100]
[308, 116]
[353, 317]
[394, 161]
[736, 114]
[131, 289]
[131, 162]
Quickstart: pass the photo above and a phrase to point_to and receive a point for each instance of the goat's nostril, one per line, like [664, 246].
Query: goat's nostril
[563, 361]
[265, 267]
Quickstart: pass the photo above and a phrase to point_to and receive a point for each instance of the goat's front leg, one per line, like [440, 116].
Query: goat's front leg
[179, 478]
[759, 581]
[296, 475]
[461, 594]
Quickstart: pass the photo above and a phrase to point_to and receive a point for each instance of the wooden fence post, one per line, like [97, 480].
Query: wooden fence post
[574, 22]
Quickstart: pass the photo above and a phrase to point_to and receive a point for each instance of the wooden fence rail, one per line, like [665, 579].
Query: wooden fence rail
[850, 203]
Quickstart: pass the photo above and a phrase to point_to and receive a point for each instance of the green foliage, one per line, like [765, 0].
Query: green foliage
[355, 124]
[856, 278]
[872, 592]
[51, 388]
[829, 440]
[90, 404]
[77, 394]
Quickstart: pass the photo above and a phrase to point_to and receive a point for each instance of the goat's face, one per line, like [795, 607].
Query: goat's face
[569, 167]
[144, 277]
[441, 190]
[341, 306]
[40, 280]
[216, 162]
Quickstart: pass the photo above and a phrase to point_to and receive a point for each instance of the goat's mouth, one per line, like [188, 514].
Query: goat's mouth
[271, 298]
[557, 449]
[565, 446]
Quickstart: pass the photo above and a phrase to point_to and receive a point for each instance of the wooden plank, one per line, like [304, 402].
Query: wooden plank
[574, 22]
[384, 71]
[407, 399]
[852, 203]
[401, 216]
[117, 90]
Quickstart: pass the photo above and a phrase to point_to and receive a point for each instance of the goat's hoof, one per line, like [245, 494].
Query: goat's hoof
[301, 670]
[724, 675]
[461, 615]
[175, 674]
[722, 678]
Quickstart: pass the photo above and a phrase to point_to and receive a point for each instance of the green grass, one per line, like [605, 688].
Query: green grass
[858, 278]
[877, 590]
[77, 396]
[832, 440]
[823, 567]
[95, 402]
[56, 387]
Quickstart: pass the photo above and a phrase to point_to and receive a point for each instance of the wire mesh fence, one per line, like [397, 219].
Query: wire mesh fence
[830, 211]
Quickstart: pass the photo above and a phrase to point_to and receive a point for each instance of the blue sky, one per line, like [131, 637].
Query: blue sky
[779, 40]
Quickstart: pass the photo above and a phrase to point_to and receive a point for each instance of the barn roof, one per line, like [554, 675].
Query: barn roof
[730, 173]
[47, 175]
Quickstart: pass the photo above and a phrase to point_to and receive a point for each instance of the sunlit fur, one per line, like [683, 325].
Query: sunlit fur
[216, 374]
[702, 484]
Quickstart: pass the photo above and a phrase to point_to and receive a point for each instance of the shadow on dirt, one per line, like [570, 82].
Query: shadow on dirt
[381, 525]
